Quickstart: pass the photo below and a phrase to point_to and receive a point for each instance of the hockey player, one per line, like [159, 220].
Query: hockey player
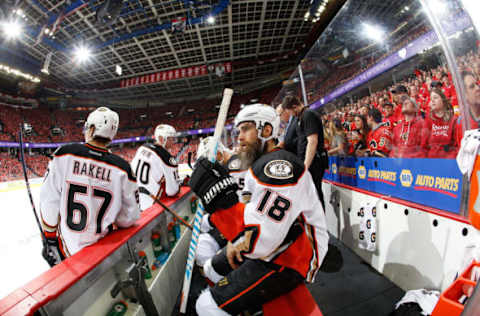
[87, 191]
[155, 168]
[157, 171]
[283, 239]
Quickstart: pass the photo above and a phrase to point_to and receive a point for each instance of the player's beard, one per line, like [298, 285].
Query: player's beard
[249, 154]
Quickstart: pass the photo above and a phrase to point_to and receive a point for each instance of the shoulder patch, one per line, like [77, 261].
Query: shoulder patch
[172, 161]
[278, 169]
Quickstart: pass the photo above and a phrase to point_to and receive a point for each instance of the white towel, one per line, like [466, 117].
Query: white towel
[468, 151]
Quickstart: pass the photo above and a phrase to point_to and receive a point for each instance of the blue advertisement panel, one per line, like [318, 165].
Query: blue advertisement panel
[432, 182]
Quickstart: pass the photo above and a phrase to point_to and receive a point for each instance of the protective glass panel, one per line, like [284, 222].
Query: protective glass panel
[385, 79]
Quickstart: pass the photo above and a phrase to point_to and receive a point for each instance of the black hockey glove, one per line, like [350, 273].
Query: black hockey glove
[213, 185]
[51, 252]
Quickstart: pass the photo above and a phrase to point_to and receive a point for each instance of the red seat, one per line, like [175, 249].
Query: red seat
[294, 303]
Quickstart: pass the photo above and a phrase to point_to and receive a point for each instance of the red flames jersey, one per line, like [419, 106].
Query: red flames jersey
[380, 140]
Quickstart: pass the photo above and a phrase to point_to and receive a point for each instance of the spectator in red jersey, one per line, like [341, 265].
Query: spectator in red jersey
[379, 140]
[389, 119]
[439, 134]
[407, 133]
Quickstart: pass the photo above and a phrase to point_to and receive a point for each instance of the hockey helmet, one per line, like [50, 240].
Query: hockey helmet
[105, 122]
[260, 114]
[164, 131]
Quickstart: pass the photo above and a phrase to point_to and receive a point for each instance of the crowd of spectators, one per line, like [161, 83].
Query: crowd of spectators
[416, 118]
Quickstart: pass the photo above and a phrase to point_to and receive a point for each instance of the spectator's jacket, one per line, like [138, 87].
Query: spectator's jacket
[439, 137]
[407, 139]
[380, 140]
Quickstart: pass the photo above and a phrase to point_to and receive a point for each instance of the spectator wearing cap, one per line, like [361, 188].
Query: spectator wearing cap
[439, 134]
[310, 140]
[407, 134]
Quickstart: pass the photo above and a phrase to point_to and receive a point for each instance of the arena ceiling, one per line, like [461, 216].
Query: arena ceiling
[260, 39]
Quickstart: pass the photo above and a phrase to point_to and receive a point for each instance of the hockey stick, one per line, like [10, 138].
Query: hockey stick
[222, 117]
[189, 160]
[27, 183]
[145, 191]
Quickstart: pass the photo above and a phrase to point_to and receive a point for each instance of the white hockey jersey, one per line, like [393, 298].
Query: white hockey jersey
[85, 192]
[157, 171]
[283, 195]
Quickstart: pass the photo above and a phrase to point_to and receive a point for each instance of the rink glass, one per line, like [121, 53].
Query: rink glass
[364, 53]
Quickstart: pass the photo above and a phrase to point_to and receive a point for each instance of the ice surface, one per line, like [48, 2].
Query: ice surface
[20, 242]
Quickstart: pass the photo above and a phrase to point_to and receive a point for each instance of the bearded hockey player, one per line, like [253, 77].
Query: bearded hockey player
[87, 191]
[211, 239]
[283, 238]
[157, 171]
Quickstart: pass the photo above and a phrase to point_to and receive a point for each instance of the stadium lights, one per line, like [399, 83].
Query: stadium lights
[211, 20]
[12, 29]
[373, 32]
[82, 54]
[18, 73]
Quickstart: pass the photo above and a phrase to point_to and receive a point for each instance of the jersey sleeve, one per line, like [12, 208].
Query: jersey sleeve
[172, 185]
[315, 225]
[50, 194]
[130, 209]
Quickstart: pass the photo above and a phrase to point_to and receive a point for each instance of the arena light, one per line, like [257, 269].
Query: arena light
[82, 54]
[211, 20]
[373, 32]
[12, 29]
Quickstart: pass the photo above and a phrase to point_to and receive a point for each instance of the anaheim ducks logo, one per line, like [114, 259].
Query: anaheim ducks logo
[369, 224]
[279, 169]
[373, 237]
